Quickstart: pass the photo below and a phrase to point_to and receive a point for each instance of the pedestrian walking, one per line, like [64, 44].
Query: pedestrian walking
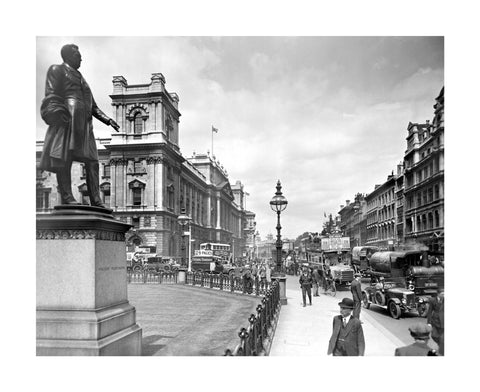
[295, 267]
[263, 276]
[347, 337]
[356, 289]
[421, 333]
[317, 281]
[254, 270]
[247, 282]
[306, 285]
[435, 318]
[268, 273]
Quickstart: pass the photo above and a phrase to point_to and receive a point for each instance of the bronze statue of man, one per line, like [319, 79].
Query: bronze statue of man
[68, 108]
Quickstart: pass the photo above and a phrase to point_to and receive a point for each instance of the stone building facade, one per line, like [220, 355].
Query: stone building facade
[353, 220]
[147, 181]
[424, 181]
[381, 215]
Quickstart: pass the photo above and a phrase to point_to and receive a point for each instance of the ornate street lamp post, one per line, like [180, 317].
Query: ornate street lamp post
[278, 204]
[185, 220]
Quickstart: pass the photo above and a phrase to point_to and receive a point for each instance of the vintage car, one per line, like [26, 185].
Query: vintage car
[392, 295]
[159, 264]
[411, 270]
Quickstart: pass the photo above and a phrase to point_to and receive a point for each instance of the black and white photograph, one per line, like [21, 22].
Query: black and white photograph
[193, 190]
[289, 192]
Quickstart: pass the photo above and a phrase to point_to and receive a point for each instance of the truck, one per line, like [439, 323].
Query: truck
[207, 263]
[361, 258]
[402, 281]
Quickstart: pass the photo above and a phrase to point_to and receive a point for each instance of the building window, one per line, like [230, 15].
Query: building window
[437, 219]
[419, 199]
[106, 170]
[136, 222]
[170, 196]
[419, 224]
[437, 192]
[43, 198]
[425, 199]
[430, 195]
[430, 220]
[138, 167]
[137, 124]
[137, 196]
[170, 172]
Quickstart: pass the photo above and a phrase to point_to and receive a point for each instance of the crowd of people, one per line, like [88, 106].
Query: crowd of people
[260, 270]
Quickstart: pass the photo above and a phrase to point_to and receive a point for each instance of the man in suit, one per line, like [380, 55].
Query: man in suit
[347, 337]
[356, 289]
[68, 108]
[435, 318]
[306, 286]
[316, 281]
[421, 333]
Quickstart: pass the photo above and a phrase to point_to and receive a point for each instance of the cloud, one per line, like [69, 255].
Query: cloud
[326, 116]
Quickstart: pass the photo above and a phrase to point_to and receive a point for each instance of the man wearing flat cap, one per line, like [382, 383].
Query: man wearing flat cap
[347, 336]
[421, 333]
[68, 108]
[356, 289]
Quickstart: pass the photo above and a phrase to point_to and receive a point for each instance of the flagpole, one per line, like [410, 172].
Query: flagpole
[212, 141]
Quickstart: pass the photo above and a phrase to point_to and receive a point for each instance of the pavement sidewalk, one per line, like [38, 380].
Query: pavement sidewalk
[306, 331]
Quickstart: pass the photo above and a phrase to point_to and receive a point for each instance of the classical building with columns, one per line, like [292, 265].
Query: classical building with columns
[146, 180]
[424, 182]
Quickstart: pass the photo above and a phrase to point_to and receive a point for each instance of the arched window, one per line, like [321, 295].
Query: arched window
[137, 124]
[437, 219]
[430, 220]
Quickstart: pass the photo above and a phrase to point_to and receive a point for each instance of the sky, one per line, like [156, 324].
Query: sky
[327, 116]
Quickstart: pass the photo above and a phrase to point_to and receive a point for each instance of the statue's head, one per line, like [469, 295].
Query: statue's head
[71, 55]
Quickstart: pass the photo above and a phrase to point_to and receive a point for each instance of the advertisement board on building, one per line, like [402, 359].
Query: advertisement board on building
[335, 244]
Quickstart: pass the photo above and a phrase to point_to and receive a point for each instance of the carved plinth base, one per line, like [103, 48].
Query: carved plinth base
[82, 305]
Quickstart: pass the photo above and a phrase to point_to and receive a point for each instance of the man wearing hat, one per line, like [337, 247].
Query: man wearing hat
[356, 289]
[435, 318]
[347, 336]
[421, 333]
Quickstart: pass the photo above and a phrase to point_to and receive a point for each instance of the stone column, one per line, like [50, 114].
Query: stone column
[81, 283]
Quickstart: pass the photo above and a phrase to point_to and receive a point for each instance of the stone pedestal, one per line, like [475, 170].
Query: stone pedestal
[282, 280]
[182, 276]
[81, 280]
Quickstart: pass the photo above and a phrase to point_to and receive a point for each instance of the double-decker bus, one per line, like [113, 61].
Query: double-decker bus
[220, 250]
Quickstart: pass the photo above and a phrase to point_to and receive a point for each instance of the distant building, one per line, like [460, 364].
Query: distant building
[381, 215]
[424, 182]
[353, 220]
[147, 181]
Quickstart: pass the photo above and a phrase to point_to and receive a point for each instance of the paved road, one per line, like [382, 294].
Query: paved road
[188, 321]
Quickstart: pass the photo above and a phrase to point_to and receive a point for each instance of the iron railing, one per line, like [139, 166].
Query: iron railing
[151, 277]
[256, 339]
[227, 282]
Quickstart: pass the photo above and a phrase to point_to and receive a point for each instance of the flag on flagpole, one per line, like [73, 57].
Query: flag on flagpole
[214, 129]
[324, 214]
